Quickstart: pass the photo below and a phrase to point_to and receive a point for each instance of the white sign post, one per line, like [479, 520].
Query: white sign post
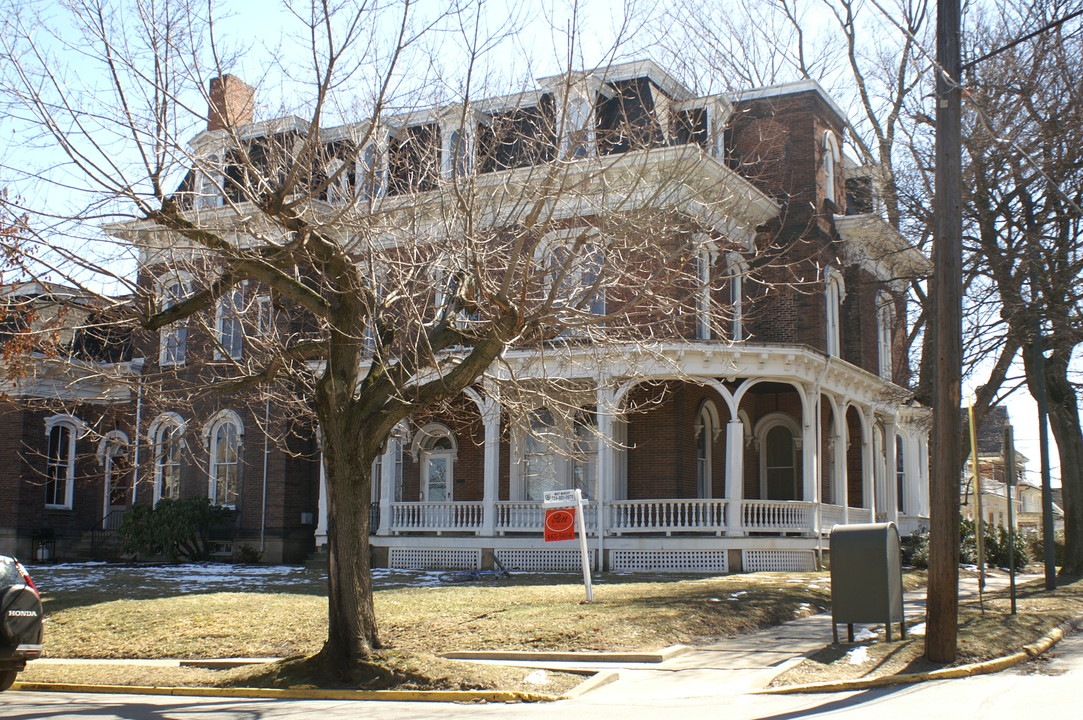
[574, 498]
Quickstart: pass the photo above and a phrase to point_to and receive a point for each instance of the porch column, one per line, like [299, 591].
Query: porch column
[490, 417]
[735, 473]
[387, 484]
[868, 471]
[606, 479]
[321, 512]
[810, 450]
[923, 475]
[891, 468]
[841, 471]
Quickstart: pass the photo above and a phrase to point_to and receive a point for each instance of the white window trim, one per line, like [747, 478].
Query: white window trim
[426, 435]
[885, 324]
[76, 429]
[832, 160]
[210, 441]
[706, 256]
[736, 269]
[834, 294]
[114, 444]
[154, 432]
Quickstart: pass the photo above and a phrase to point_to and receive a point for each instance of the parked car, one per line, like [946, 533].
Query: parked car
[20, 620]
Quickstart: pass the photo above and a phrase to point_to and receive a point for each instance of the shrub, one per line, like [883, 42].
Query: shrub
[177, 529]
[999, 544]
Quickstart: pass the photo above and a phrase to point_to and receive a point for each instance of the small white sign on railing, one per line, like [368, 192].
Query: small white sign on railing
[560, 498]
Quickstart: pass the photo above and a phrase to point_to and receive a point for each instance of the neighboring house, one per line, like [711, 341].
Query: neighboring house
[774, 412]
[1026, 494]
[65, 399]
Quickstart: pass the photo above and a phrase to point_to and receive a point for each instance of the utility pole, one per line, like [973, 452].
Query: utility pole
[943, 591]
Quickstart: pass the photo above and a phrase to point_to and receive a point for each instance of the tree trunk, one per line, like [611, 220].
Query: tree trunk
[351, 627]
[1064, 421]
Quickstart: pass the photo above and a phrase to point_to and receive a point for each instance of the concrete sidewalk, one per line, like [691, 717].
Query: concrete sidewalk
[748, 663]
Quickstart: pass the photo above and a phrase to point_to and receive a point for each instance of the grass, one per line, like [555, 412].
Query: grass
[981, 636]
[162, 619]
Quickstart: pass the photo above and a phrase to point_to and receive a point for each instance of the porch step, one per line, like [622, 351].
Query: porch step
[318, 560]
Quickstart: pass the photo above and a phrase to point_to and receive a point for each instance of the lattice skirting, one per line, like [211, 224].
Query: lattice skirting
[779, 560]
[541, 560]
[675, 561]
[422, 559]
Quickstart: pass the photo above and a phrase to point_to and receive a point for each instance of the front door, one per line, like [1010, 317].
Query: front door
[437, 477]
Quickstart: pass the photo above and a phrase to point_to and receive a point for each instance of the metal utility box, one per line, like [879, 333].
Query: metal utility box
[866, 577]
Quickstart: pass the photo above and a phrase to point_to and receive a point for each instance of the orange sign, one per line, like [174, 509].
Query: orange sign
[559, 524]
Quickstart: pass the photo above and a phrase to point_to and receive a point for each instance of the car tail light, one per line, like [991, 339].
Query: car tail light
[26, 576]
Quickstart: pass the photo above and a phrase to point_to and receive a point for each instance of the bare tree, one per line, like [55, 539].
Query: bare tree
[1024, 218]
[368, 267]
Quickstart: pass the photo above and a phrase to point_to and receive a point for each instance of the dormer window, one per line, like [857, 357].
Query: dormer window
[634, 114]
[340, 172]
[413, 159]
[517, 138]
[457, 154]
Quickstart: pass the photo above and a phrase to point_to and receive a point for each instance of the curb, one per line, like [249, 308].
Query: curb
[1028, 652]
[460, 696]
[572, 657]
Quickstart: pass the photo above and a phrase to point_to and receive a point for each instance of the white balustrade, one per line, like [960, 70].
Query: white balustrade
[860, 515]
[830, 516]
[632, 516]
[777, 516]
[529, 516]
[435, 516]
[668, 516]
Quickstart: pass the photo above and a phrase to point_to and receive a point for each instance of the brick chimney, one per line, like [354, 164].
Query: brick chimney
[231, 103]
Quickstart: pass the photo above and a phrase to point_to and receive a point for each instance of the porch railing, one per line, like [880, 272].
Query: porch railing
[668, 516]
[529, 516]
[436, 516]
[777, 516]
[628, 516]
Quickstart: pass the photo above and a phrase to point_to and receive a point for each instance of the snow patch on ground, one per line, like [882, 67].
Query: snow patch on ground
[865, 634]
[918, 630]
[538, 677]
[858, 655]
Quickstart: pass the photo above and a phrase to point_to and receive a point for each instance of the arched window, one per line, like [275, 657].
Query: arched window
[736, 269]
[167, 437]
[173, 339]
[457, 154]
[439, 451]
[885, 323]
[706, 428]
[832, 158]
[116, 470]
[573, 268]
[834, 294]
[777, 438]
[224, 433]
[229, 331]
[62, 431]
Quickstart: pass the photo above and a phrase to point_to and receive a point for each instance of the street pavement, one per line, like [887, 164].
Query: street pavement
[713, 681]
